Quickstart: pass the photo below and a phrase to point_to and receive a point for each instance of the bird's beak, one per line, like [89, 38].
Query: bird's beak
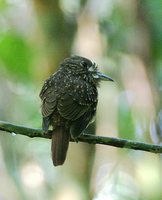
[103, 77]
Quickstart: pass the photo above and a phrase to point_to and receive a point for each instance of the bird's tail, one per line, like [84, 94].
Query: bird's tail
[59, 146]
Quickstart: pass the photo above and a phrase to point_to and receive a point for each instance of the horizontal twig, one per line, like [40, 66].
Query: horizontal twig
[91, 139]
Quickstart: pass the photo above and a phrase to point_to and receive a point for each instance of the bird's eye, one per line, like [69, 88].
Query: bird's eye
[83, 63]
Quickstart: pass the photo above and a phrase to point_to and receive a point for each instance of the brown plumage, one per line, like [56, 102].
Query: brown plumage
[69, 99]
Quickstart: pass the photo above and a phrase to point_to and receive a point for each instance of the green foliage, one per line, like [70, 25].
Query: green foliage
[15, 55]
[152, 10]
[3, 4]
[125, 120]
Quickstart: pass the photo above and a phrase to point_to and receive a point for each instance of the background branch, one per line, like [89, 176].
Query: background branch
[91, 139]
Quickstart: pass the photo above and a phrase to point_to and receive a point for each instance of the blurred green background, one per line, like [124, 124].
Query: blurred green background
[125, 38]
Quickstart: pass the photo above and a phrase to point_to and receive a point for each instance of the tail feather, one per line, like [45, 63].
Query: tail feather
[59, 146]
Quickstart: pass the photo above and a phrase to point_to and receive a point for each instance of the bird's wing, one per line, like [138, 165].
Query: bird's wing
[69, 108]
[78, 126]
[48, 97]
[76, 101]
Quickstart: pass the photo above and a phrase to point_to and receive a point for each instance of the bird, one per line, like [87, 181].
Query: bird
[69, 100]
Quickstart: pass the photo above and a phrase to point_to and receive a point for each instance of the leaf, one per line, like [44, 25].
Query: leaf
[15, 55]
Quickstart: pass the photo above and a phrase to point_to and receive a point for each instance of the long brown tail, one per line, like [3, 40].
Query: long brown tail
[59, 146]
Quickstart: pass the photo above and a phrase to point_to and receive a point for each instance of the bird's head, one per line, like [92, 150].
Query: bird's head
[83, 68]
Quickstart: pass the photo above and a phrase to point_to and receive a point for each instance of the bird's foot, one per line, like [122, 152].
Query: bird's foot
[47, 133]
[75, 139]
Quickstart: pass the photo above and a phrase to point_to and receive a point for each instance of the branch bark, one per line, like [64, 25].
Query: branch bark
[91, 139]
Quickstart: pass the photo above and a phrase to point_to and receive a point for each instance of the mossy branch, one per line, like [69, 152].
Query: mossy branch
[91, 139]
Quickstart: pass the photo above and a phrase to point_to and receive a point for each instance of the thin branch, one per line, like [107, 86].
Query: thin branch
[91, 139]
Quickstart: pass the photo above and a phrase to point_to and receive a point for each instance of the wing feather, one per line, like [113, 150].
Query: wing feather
[78, 126]
[48, 96]
[70, 109]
